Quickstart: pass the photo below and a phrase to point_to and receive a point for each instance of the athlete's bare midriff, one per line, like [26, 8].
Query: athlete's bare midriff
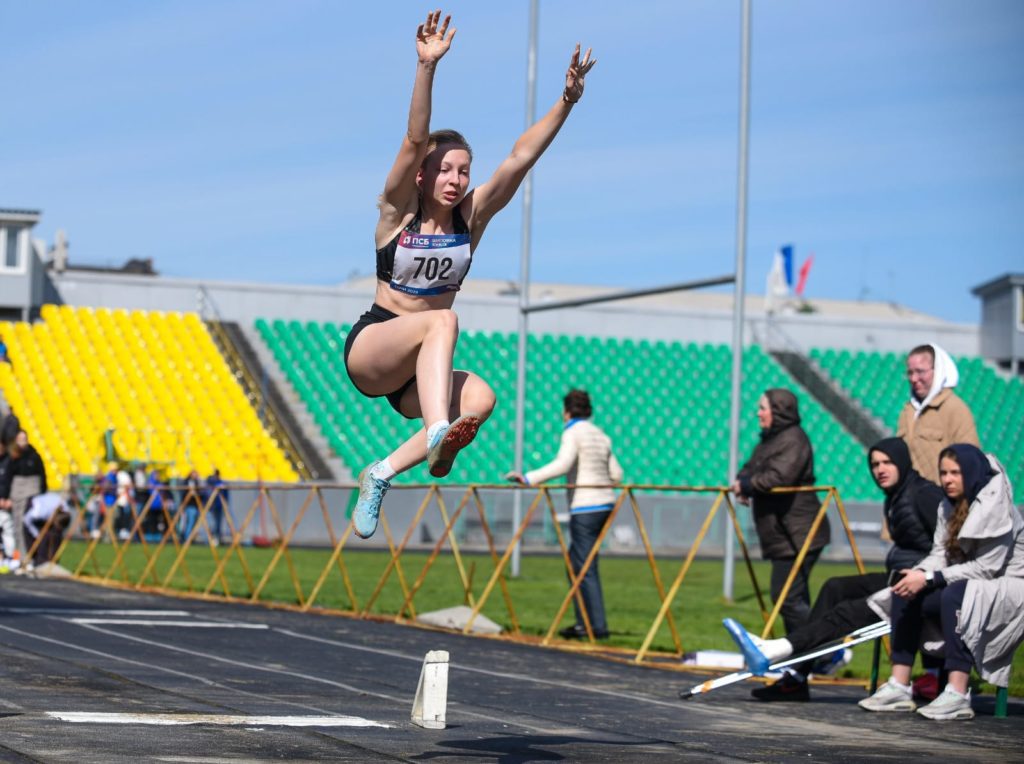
[400, 303]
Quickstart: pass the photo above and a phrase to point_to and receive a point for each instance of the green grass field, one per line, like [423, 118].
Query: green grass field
[631, 598]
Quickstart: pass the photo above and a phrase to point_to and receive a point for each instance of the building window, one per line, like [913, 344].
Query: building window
[10, 253]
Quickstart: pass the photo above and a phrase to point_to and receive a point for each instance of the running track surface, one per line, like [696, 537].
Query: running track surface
[89, 672]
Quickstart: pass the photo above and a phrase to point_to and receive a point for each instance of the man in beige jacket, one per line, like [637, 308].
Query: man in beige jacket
[585, 455]
[935, 416]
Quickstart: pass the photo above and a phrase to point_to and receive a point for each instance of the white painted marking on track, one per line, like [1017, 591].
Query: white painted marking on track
[88, 717]
[91, 611]
[181, 624]
[299, 675]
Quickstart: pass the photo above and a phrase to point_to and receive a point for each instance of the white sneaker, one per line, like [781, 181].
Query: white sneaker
[891, 696]
[123, 534]
[949, 705]
[95, 533]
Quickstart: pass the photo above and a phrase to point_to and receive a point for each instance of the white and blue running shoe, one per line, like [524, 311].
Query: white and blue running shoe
[371, 494]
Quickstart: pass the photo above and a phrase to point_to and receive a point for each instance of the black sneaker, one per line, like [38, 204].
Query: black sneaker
[789, 688]
[577, 631]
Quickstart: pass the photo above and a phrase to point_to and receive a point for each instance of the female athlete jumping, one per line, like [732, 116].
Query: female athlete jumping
[430, 225]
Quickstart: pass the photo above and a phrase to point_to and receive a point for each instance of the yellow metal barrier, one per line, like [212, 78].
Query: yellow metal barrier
[191, 517]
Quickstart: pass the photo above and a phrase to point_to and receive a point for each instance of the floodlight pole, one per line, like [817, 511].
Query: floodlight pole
[739, 291]
[524, 285]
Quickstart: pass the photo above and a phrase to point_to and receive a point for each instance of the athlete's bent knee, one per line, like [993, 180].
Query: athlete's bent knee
[445, 321]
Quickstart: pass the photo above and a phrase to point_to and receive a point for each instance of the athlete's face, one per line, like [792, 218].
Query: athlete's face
[444, 176]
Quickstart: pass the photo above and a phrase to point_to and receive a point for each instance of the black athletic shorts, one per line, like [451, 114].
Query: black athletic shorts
[376, 315]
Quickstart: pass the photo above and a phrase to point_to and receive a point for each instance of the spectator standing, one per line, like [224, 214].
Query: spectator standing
[586, 456]
[9, 427]
[935, 416]
[27, 476]
[220, 505]
[110, 493]
[156, 520]
[193, 499]
[6, 521]
[784, 458]
[125, 496]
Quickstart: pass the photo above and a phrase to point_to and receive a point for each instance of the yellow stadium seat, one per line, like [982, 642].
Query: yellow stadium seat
[157, 378]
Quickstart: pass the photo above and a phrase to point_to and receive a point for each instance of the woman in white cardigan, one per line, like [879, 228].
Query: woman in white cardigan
[973, 579]
[585, 455]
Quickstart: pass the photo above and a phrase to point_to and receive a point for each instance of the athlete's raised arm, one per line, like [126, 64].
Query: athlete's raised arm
[432, 42]
[499, 190]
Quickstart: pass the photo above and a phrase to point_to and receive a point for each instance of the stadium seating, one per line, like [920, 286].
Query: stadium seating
[665, 405]
[878, 382]
[156, 378]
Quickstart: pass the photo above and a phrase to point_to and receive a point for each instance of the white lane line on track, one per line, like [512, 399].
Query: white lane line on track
[88, 717]
[487, 672]
[182, 624]
[84, 611]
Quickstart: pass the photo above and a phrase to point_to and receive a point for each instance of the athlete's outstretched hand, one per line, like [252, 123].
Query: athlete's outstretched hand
[574, 77]
[432, 43]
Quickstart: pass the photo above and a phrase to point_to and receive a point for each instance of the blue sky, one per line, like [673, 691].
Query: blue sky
[248, 140]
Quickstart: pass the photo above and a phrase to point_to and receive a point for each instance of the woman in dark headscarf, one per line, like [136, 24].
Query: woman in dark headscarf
[784, 458]
[973, 581]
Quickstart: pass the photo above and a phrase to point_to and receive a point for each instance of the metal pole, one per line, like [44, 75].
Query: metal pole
[739, 291]
[524, 284]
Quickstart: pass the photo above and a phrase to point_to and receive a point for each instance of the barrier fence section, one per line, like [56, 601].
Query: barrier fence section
[189, 520]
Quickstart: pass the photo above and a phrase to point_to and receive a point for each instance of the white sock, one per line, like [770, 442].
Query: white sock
[383, 470]
[775, 649]
[434, 429]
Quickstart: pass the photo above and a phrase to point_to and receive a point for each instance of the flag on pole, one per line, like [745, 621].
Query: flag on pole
[780, 278]
[805, 269]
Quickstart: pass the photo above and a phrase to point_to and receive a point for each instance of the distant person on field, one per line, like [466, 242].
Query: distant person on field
[935, 417]
[27, 478]
[124, 501]
[9, 427]
[218, 507]
[783, 459]
[38, 517]
[585, 455]
[6, 521]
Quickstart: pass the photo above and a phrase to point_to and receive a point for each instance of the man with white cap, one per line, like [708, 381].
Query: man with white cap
[935, 416]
